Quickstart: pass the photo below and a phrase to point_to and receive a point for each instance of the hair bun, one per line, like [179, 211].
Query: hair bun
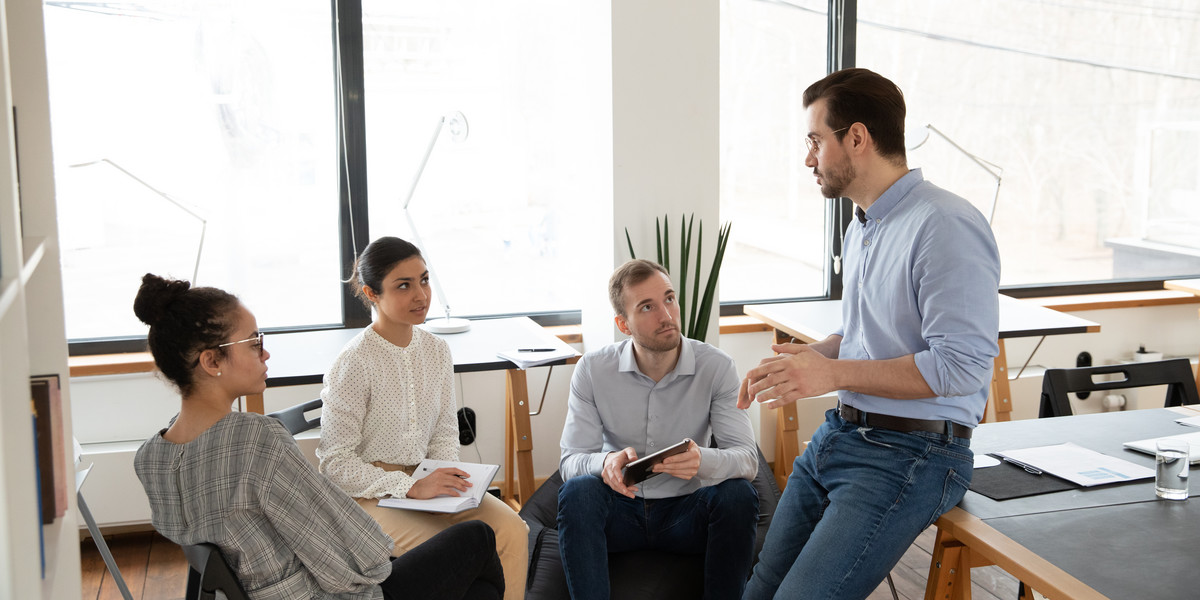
[155, 296]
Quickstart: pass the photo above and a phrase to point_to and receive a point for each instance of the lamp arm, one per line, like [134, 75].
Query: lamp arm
[983, 164]
[168, 198]
[437, 131]
[433, 280]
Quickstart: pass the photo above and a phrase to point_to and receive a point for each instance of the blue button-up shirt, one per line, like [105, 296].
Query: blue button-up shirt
[613, 406]
[922, 277]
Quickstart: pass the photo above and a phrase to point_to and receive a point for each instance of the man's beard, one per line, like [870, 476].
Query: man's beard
[834, 181]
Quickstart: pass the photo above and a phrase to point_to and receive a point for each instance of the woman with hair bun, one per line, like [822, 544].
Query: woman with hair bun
[238, 480]
[389, 404]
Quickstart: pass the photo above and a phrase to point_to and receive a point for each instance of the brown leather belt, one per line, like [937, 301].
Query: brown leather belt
[902, 424]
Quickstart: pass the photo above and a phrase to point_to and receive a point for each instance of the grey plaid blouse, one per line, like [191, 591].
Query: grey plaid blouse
[284, 529]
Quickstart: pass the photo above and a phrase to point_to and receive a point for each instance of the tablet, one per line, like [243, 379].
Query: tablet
[640, 469]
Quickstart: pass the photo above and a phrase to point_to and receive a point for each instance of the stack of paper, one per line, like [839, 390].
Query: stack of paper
[525, 358]
[1075, 463]
[480, 478]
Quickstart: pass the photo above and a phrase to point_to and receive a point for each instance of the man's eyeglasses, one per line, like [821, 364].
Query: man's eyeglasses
[256, 342]
[814, 144]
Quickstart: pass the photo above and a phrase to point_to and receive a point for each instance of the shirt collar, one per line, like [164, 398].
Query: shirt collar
[685, 366]
[894, 194]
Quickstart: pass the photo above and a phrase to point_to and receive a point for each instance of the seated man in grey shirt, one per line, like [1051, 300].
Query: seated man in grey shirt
[632, 399]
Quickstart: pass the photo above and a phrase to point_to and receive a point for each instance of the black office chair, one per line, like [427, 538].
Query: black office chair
[209, 573]
[1176, 374]
[293, 418]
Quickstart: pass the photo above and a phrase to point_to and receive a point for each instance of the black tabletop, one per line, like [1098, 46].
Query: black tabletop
[1103, 432]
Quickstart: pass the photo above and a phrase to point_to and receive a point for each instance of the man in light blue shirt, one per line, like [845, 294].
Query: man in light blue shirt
[632, 399]
[911, 363]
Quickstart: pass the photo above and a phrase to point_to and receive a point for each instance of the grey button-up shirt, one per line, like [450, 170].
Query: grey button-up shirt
[613, 405]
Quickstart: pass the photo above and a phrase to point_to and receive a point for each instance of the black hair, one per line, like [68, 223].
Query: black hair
[376, 261]
[863, 96]
[184, 321]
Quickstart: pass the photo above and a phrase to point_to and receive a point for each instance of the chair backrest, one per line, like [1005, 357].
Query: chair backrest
[1176, 374]
[293, 418]
[210, 573]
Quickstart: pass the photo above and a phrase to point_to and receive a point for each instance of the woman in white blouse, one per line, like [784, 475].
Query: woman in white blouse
[389, 403]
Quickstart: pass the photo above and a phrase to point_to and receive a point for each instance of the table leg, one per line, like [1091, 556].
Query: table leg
[1001, 398]
[254, 403]
[949, 570]
[518, 439]
[787, 446]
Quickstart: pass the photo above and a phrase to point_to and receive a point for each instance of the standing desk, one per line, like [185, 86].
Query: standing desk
[811, 322]
[1191, 286]
[1113, 541]
[303, 358]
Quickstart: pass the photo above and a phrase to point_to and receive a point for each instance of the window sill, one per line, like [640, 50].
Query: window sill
[1115, 300]
[142, 362]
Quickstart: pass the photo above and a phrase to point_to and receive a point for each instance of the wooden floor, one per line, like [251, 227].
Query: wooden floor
[154, 569]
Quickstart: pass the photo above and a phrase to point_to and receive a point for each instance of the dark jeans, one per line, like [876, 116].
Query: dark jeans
[459, 562]
[856, 500]
[719, 521]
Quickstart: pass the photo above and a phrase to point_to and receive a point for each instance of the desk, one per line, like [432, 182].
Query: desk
[303, 358]
[1191, 286]
[812, 322]
[1079, 543]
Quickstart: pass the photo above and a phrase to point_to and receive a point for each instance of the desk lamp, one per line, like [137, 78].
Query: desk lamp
[165, 196]
[915, 139]
[456, 124]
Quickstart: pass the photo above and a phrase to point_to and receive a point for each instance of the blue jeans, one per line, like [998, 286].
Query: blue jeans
[719, 521]
[854, 503]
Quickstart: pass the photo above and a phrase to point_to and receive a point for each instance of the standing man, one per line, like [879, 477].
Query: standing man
[634, 398]
[911, 363]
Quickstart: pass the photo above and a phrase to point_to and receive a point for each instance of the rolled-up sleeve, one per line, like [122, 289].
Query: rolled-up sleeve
[957, 272]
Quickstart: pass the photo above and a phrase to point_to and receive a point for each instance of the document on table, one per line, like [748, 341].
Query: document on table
[1076, 463]
[525, 358]
[1189, 421]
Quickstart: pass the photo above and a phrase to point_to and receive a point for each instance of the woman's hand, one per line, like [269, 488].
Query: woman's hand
[446, 481]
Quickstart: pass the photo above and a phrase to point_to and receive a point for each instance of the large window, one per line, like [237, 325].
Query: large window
[770, 52]
[1088, 109]
[195, 139]
[521, 94]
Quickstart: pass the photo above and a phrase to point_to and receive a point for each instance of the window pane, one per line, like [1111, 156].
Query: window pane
[499, 208]
[177, 120]
[770, 52]
[1089, 108]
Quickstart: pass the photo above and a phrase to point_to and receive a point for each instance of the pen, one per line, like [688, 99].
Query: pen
[1028, 468]
[535, 349]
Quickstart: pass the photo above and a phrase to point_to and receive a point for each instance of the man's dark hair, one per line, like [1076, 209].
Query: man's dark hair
[863, 96]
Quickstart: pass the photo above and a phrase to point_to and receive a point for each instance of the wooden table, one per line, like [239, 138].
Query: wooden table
[1114, 541]
[303, 358]
[1191, 286]
[811, 322]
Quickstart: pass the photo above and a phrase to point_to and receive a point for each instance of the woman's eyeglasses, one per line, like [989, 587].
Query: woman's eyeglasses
[256, 342]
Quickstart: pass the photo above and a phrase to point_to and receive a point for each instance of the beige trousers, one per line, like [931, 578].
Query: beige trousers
[409, 528]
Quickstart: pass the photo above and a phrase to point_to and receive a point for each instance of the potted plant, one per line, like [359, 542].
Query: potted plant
[695, 315]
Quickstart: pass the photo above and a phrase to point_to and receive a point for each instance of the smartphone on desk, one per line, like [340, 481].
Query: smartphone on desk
[640, 469]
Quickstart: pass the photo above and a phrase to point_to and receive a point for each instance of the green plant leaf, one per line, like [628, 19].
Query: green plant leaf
[713, 276]
[685, 243]
[629, 242]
